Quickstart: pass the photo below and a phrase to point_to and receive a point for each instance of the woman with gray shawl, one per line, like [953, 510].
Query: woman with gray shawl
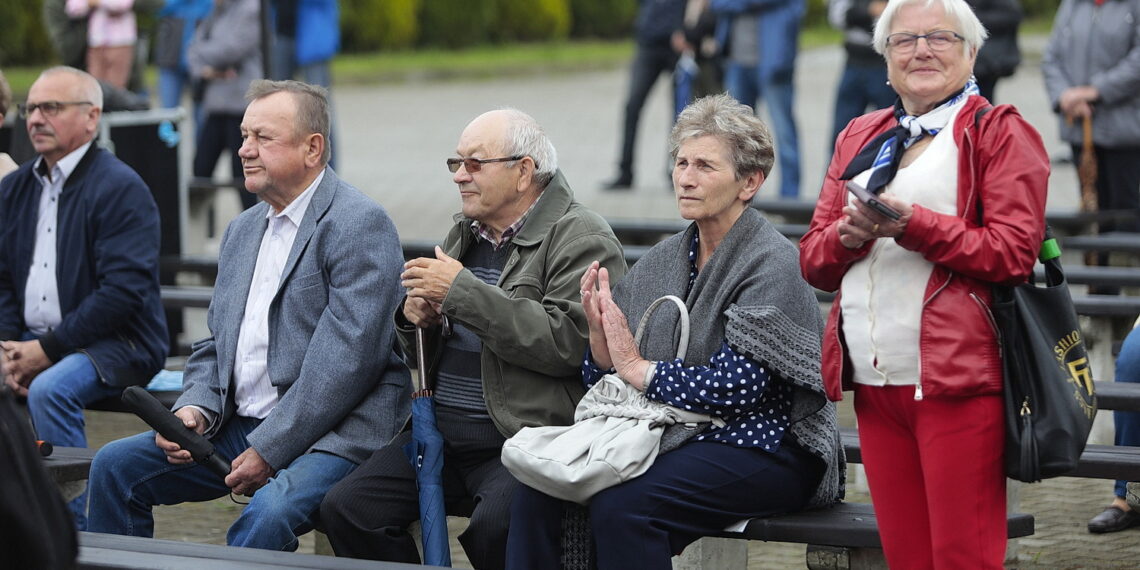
[752, 361]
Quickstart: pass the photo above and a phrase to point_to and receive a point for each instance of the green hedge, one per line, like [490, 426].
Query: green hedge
[530, 20]
[610, 19]
[370, 25]
[23, 39]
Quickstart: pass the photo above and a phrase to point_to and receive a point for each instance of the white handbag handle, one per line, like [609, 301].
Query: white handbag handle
[683, 345]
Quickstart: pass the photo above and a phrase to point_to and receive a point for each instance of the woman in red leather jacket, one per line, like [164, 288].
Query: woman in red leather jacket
[910, 330]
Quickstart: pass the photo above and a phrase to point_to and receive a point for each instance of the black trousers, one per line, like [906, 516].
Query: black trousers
[695, 490]
[1117, 183]
[222, 132]
[649, 63]
[367, 514]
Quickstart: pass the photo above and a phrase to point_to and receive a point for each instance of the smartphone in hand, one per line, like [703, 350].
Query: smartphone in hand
[871, 200]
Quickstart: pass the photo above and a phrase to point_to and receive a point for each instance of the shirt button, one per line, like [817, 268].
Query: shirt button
[45, 298]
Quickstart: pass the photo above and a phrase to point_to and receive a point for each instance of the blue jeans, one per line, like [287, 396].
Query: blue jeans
[131, 475]
[861, 87]
[746, 85]
[56, 399]
[1127, 423]
[171, 84]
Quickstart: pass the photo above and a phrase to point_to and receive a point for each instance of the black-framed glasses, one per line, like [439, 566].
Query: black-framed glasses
[938, 40]
[474, 165]
[49, 108]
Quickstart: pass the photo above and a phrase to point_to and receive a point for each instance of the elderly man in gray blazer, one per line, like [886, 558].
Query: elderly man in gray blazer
[302, 378]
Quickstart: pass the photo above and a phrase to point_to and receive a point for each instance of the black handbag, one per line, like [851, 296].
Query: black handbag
[1050, 402]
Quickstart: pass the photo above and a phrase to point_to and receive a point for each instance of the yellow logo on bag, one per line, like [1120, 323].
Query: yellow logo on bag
[1078, 369]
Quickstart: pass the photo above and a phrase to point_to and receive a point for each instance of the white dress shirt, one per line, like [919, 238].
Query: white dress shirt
[41, 292]
[254, 393]
[883, 293]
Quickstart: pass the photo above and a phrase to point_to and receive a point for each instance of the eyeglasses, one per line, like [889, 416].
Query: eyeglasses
[49, 108]
[474, 165]
[938, 40]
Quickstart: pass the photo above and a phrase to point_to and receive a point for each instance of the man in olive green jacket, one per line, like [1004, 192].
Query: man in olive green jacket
[501, 303]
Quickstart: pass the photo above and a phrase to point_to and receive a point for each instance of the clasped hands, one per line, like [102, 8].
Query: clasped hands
[21, 362]
[428, 281]
[248, 471]
[861, 224]
[611, 343]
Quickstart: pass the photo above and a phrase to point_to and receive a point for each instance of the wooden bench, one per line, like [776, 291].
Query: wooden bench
[1096, 275]
[1124, 242]
[643, 232]
[115, 551]
[1123, 396]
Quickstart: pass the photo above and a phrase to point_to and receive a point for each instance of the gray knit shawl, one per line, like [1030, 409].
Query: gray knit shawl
[749, 293]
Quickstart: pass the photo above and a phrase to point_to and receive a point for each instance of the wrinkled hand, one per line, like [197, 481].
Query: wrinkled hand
[22, 362]
[627, 359]
[422, 313]
[192, 419]
[595, 284]
[861, 224]
[249, 472]
[1077, 101]
[430, 279]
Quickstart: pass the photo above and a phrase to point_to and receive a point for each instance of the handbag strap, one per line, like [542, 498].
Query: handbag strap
[683, 344]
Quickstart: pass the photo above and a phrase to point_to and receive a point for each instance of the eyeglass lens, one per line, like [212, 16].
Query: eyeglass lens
[471, 164]
[937, 40]
[49, 108]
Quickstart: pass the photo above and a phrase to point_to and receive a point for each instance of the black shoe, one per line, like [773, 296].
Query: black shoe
[1113, 519]
[619, 183]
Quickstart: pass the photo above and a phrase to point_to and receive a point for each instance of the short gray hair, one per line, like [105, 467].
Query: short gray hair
[312, 107]
[971, 27]
[88, 87]
[734, 123]
[525, 137]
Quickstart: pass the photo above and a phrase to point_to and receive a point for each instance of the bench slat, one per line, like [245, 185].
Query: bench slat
[1123, 396]
[115, 551]
[851, 525]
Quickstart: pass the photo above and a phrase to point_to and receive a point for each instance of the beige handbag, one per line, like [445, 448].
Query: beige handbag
[616, 435]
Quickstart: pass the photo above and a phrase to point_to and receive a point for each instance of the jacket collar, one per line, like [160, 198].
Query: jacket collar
[553, 203]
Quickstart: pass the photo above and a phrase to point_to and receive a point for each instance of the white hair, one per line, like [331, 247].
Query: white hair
[89, 88]
[525, 137]
[970, 27]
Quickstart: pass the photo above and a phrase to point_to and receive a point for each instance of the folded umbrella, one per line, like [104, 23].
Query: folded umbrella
[426, 454]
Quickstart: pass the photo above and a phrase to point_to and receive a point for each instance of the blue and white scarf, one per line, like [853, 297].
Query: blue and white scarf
[884, 153]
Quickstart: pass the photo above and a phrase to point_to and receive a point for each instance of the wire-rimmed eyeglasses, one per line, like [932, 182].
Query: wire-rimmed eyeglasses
[476, 164]
[938, 40]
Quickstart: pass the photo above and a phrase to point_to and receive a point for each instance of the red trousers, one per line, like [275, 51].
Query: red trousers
[935, 472]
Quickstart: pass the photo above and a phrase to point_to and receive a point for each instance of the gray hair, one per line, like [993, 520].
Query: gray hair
[312, 107]
[88, 87]
[5, 96]
[971, 27]
[734, 123]
[525, 137]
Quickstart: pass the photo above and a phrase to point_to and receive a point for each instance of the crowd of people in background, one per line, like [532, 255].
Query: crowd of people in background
[528, 302]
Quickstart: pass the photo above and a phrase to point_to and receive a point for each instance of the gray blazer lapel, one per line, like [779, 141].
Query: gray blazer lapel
[318, 205]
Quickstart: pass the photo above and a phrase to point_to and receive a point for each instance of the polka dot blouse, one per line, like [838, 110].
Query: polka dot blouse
[732, 387]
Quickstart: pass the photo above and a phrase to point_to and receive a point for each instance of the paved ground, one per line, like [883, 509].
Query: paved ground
[393, 140]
